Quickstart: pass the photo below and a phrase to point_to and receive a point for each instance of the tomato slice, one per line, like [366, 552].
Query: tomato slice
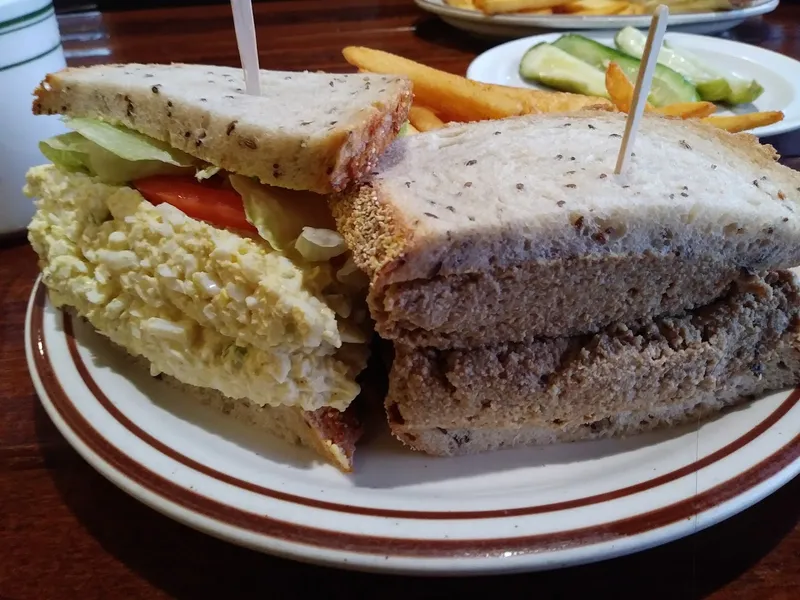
[215, 205]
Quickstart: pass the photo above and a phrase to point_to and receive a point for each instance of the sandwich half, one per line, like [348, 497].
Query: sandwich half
[516, 229]
[615, 383]
[183, 220]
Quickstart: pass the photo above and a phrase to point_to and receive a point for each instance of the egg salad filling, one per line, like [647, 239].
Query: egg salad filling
[240, 287]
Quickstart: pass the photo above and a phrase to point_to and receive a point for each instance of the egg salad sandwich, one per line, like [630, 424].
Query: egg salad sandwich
[533, 296]
[187, 222]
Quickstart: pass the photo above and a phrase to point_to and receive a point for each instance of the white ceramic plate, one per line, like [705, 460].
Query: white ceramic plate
[509, 511]
[509, 26]
[779, 74]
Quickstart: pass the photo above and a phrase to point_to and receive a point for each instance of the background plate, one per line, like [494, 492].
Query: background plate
[521, 25]
[779, 74]
[516, 510]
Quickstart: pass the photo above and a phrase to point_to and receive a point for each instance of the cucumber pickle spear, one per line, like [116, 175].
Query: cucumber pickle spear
[555, 68]
[668, 86]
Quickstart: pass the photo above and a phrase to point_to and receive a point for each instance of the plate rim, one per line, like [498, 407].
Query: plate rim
[778, 128]
[442, 9]
[381, 553]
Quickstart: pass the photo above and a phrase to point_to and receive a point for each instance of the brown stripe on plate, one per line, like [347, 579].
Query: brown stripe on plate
[664, 479]
[338, 541]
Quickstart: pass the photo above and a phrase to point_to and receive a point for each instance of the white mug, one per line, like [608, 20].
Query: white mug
[30, 48]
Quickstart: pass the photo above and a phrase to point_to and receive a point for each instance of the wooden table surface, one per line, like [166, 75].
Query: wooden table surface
[65, 532]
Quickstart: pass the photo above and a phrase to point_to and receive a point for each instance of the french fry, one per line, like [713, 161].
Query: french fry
[424, 119]
[539, 101]
[465, 4]
[453, 97]
[688, 110]
[594, 7]
[620, 88]
[632, 9]
[493, 7]
[737, 123]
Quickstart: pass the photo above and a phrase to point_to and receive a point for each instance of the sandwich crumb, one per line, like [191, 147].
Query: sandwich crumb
[755, 182]
[408, 184]
[560, 203]
[473, 219]
[781, 195]
[468, 184]
[559, 156]
[431, 215]
[785, 219]
[615, 135]
[684, 194]
[571, 186]
[451, 209]
[570, 173]
[154, 89]
[567, 124]
[603, 175]
[685, 144]
[520, 186]
[713, 167]
[572, 158]
[498, 132]
[590, 126]
[471, 162]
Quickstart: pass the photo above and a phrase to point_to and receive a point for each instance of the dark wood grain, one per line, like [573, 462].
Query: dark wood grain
[65, 532]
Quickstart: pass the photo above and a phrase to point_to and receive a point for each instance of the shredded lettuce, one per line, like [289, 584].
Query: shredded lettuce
[319, 245]
[207, 173]
[279, 214]
[128, 144]
[117, 155]
[73, 152]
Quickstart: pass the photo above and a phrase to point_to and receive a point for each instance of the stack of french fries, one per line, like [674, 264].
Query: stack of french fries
[441, 97]
[588, 7]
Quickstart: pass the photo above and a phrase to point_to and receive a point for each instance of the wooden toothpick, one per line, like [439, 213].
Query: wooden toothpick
[648, 66]
[246, 40]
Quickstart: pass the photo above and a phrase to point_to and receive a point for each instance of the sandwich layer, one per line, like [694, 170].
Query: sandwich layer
[207, 306]
[331, 434]
[618, 382]
[464, 229]
[288, 136]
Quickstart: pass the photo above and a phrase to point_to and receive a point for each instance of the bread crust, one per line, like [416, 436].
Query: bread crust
[585, 387]
[203, 111]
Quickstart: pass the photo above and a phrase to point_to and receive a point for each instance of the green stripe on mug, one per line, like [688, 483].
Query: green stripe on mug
[23, 19]
[31, 59]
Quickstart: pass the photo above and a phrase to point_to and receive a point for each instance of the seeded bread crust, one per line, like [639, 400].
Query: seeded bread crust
[307, 131]
[615, 383]
[492, 207]
[331, 434]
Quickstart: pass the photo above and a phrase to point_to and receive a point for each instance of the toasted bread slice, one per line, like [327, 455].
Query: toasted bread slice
[306, 131]
[508, 230]
[619, 382]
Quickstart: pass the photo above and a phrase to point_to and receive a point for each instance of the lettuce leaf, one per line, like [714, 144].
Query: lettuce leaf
[279, 214]
[127, 144]
[117, 155]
